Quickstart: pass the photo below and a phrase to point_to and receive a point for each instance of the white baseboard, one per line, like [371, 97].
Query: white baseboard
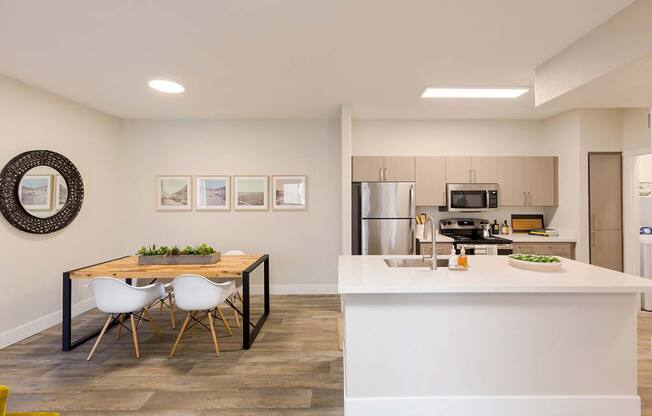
[296, 289]
[494, 405]
[41, 324]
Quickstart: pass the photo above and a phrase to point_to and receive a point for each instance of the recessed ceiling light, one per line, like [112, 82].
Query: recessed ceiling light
[166, 85]
[473, 92]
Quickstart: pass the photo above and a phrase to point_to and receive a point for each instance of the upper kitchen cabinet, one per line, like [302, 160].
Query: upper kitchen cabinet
[484, 169]
[541, 175]
[378, 169]
[461, 169]
[510, 175]
[430, 181]
[458, 169]
[527, 181]
[399, 169]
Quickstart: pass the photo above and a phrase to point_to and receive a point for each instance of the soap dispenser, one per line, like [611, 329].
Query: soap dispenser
[462, 260]
[452, 260]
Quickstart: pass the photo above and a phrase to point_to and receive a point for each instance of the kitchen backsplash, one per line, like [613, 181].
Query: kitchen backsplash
[501, 214]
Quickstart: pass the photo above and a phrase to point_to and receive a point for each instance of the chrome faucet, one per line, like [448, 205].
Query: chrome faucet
[433, 236]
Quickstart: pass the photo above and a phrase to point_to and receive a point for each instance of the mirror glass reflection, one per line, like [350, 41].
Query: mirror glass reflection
[42, 191]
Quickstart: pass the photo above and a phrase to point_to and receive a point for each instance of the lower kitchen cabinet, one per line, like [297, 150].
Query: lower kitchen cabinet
[566, 250]
[442, 248]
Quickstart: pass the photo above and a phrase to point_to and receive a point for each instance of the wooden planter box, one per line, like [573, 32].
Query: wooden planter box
[152, 260]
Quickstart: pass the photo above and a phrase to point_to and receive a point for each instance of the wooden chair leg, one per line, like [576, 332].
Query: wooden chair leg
[99, 338]
[155, 328]
[237, 318]
[160, 307]
[172, 318]
[213, 334]
[134, 334]
[122, 319]
[226, 324]
[183, 328]
[192, 329]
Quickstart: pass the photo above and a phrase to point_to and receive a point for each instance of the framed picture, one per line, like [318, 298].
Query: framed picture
[60, 192]
[288, 192]
[212, 193]
[173, 193]
[250, 193]
[35, 192]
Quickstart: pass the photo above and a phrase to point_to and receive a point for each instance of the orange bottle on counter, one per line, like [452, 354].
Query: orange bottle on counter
[462, 260]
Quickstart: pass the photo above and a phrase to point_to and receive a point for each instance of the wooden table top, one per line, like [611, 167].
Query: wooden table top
[128, 267]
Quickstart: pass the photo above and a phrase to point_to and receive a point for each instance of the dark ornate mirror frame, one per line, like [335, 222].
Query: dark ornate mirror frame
[10, 205]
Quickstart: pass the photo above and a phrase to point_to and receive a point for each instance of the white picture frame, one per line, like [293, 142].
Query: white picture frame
[35, 192]
[173, 193]
[289, 193]
[60, 192]
[250, 193]
[213, 193]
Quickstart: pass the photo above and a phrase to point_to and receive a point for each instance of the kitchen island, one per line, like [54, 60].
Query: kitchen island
[493, 340]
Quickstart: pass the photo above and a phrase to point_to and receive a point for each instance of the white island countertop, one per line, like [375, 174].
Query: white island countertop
[486, 274]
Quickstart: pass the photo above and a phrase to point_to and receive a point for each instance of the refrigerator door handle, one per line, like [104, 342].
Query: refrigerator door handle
[412, 239]
[364, 232]
[413, 213]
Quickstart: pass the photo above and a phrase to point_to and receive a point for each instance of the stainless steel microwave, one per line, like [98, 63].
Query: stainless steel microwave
[472, 196]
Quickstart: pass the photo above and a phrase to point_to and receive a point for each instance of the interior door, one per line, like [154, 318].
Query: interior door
[367, 168]
[605, 196]
[484, 169]
[431, 181]
[458, 169]
[510, 175]
[399, 168]
[605, 210]
[387, 237]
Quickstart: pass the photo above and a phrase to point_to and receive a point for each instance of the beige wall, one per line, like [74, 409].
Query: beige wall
[31, 265]
[303, 244]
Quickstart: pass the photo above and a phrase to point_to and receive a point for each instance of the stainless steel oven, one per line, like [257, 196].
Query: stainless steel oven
[471, 197]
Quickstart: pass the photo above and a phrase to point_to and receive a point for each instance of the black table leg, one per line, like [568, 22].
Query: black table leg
[249, 334]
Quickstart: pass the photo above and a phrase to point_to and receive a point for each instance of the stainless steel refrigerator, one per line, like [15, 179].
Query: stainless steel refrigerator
[383, 218]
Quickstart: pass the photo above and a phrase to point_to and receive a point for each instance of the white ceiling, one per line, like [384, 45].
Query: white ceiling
[290, 58]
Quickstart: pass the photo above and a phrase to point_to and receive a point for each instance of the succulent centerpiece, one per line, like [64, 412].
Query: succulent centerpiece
[201, 254]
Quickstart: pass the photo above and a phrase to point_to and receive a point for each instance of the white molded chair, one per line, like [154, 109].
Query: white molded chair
[238, 286]
[113, 296]
[201, 298]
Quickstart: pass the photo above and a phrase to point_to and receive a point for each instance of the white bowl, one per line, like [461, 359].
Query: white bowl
[536, 267]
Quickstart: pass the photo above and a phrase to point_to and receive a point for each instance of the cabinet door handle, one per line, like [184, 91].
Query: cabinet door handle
[529, 195]
[470, 180]
[593, 242]
[385, 174]
[593, 221]
[524, 199]
[380, 173]
[443, 197]
[475, 175]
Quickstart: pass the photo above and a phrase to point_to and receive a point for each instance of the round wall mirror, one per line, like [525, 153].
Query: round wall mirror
[40, 191]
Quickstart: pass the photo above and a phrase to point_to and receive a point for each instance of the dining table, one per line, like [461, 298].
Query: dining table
[127, 268]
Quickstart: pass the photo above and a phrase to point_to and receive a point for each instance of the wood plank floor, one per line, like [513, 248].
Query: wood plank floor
[294, 368]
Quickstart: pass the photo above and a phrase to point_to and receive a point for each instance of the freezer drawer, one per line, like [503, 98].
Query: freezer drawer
[387, 200]
[387, 236]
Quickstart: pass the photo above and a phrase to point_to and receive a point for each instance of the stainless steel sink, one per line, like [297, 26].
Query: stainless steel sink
[415, 262]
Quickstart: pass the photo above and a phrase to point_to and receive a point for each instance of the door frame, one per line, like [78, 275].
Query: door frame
[631, 249]
[622, 211]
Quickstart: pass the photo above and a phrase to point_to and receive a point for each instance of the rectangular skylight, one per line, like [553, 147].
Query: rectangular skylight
[473, 92]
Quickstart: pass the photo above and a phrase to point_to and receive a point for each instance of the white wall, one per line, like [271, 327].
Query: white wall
[303, 245]
[31, 265]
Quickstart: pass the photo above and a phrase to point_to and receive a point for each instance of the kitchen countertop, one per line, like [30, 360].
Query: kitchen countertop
[563, 237]
[486, 274]
[440, 239]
